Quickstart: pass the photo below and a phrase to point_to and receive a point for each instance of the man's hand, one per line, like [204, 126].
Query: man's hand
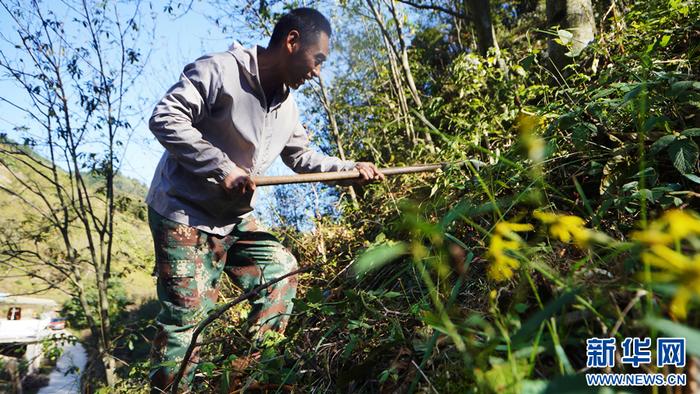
[369, 173]
[238, 182]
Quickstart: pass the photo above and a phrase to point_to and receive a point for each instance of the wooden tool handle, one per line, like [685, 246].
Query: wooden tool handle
[339, 175]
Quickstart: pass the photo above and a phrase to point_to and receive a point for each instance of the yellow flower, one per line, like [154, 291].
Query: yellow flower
[499, 244]
[679, 269]
[535, 145]
[652, 236]
[545, 217]
[681, 224]
[502, 265]
[663, 257]
[679, 305]
[566, 227]
[672, 226]
[505, 239]
[507, 229]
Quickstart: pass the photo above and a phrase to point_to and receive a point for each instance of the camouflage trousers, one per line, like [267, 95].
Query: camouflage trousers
[189, 264]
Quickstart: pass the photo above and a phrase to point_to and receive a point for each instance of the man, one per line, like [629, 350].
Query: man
[226, 120]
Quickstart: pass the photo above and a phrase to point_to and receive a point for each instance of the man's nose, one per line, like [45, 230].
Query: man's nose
[316, 71]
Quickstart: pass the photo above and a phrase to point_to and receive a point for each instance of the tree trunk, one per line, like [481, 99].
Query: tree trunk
[407, 68]
[480, 11]
[576, 17]
[105, 333]
[394, 69]
[402, 54]
[325, 101]
[526, 6]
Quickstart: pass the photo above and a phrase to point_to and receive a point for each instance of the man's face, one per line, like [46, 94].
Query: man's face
[305, 59]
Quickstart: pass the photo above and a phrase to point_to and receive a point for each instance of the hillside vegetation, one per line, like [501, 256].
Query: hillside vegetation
[491, 279]
[569, 212]
[19, 217]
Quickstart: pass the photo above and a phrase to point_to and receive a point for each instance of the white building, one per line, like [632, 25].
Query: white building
[23, 324]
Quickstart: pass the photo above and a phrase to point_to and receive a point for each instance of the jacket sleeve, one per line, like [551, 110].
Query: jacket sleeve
[298, 156]
[184, 105]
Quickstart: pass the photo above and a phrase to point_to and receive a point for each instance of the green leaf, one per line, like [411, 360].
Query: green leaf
[646, 193]
[680, 87]
[207, 368]
[349, 347]
[466, 209]
[391, 294]
[692, 177]
[691, 335]
[632, 94]
[581, 134]
[604, 93]
[502, 377]
[314, 295]
[650, 48]
[662, 143]
[565, 36]
[684, 154]
[533, 386]
[353, 324]
[694, 132]
[655, 122]
[528, 329]
[665, 40]
[561, 354]
[384, 376]
[378, 256]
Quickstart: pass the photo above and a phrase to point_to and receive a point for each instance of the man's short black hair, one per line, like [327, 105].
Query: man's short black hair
[307, 21]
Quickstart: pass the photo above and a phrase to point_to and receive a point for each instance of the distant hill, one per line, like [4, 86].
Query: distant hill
[124, 185]
[133, 254]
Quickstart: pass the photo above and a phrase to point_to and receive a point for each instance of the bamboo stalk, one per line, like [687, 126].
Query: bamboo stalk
[342, 175]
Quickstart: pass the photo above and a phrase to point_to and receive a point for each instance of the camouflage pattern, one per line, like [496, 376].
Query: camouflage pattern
[189, 263]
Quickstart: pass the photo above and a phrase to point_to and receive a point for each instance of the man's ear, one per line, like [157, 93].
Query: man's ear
[293, 42]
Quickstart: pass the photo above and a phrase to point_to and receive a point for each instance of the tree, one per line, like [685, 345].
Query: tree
[485, 34]
[322, 95]
[575, 22]
[73, 64]
[398, 60]
[479, 15]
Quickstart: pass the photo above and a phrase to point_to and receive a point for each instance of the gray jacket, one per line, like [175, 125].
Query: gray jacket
[214, 119]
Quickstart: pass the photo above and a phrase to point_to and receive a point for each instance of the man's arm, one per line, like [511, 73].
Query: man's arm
[298, 156]
[175, 115]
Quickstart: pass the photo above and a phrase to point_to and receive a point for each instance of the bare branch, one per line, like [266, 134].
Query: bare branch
[434, 7]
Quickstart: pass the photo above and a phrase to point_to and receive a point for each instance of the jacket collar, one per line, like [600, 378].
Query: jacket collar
[247, 59]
